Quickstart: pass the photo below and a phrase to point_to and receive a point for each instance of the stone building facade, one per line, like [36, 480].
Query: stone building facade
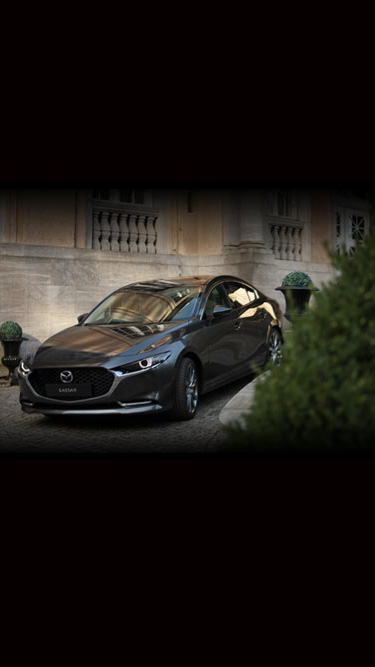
[61, 251]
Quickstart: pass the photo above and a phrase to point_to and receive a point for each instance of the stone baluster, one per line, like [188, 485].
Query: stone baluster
[298, 245]
[292, 244]
[124, 233]
[289, 242]
[142, 238]
[273, 238]
[151, 235]
[133, 233]
[284, 243]
[96, 231]
[115, 233]
[106, 230]
[277, 245]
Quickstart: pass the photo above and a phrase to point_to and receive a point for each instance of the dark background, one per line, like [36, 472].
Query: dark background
[218, 132]
[262, 105]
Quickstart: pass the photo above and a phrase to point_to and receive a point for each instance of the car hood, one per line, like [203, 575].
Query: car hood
[97, 344]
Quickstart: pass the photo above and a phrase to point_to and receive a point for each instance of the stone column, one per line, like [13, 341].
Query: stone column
[3, 215]
[251, 219]
[83, 198]
[10, 225]
[231, 219]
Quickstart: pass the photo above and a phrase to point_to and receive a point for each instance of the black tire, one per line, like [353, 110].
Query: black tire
[274, 351]
[186, 390]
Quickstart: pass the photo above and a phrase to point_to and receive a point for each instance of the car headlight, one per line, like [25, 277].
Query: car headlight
[143, 364]
[23, 369]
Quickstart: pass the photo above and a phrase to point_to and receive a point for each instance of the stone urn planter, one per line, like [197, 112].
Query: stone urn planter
[11, 339]
[297, 288]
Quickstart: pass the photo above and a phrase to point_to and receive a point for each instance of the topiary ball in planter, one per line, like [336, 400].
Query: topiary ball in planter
[10, 330]
[11, 338]
[296, 279]
[297, 287]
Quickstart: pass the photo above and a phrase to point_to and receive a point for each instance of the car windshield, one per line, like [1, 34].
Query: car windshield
[146, 305]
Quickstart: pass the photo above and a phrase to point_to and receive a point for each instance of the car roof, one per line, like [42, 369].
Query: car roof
[164, 283]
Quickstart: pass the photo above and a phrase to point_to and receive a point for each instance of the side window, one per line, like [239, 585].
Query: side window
[240, 295]
[217, 297]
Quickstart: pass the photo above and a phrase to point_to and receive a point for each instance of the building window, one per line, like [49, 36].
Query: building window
[132, 196]
[351, 229]
[128, 196]
[285, 204]
[101, 194]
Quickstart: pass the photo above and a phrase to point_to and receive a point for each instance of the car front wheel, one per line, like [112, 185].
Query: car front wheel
[186, 390]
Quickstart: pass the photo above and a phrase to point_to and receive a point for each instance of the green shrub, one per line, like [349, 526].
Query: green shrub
[10, 330]
[321, 399]
[296, 279]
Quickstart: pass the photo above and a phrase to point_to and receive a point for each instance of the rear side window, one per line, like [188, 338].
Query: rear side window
[240, 295]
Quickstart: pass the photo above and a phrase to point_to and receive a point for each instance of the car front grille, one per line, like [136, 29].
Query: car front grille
[100, 379]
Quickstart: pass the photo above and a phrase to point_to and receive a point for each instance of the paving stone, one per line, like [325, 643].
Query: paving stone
[24, 434]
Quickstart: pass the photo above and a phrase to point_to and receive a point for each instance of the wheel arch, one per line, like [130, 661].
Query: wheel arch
[278, 328]
[194, 357]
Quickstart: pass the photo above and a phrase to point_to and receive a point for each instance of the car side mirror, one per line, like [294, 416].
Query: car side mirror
[81, 317]
[221, 310]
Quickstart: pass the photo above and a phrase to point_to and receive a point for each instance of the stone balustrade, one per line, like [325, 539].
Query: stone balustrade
[124, 228]
[286, 241]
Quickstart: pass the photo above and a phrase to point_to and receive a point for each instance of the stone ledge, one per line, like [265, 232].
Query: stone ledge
[239, 406]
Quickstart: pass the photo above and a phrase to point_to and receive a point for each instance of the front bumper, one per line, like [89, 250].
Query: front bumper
[147, 392]
[121, 409]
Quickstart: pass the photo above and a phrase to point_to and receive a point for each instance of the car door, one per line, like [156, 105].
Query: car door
[251, 322]
[221, 337]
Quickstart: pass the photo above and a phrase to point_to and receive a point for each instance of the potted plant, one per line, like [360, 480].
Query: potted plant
[297, 288]
[11, 339]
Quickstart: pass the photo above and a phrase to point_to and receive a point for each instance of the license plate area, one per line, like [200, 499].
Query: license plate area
[82, 390]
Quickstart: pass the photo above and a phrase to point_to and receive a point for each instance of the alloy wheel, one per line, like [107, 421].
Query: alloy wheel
[191, 388]
[275, 347]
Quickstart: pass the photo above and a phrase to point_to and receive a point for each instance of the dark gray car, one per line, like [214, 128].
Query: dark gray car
[152, 346]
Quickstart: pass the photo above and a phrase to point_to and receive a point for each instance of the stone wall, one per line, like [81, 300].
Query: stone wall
[43, 217]
[49, 273]
[46, 288]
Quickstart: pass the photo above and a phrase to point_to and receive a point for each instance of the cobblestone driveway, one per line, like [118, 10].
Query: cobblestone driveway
[26, 434]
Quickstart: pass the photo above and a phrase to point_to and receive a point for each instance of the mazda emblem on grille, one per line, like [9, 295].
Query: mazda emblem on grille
[66, 376]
